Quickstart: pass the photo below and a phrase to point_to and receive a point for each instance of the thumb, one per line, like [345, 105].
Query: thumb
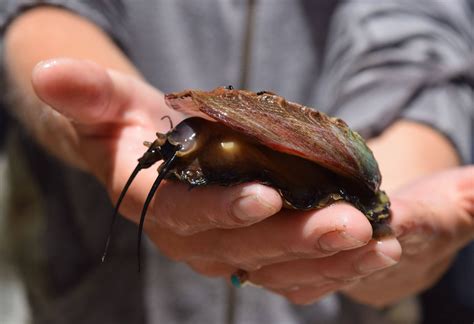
[81, 90]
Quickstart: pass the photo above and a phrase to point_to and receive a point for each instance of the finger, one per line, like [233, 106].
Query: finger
[392, 284]
[437, 223]
[285, 236]
[447, 193]
[411, 225]
[111, 112]
[80, 90]
[342, 268]
[89, 94]
[187, 211]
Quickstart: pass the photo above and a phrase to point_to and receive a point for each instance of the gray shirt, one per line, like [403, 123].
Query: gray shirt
[356, 59]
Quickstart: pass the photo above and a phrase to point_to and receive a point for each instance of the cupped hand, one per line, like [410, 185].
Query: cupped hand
[433, 218]
[112, 113]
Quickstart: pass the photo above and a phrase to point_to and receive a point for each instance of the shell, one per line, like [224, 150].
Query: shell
[285, 127]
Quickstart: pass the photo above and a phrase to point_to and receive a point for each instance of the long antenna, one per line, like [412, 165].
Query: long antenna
[166, 167]
[117, 206]
[152, 155]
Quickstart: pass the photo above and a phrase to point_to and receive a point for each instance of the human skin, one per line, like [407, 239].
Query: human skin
[106, 110]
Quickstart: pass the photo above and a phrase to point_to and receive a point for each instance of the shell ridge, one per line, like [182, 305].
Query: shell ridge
[295, 129]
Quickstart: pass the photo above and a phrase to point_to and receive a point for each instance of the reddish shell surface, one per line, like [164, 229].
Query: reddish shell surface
[286, 127]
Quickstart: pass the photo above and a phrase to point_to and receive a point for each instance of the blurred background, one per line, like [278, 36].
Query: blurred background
[13, 301]
[454, 293]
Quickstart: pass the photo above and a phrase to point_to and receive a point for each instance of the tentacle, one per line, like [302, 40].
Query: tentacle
[165, 169]
[137, 169]
[169, 119]
[151, 156]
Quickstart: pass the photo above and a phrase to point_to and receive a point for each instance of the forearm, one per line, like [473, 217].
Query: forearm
[366, 75]
[408, 150]
[45, 33]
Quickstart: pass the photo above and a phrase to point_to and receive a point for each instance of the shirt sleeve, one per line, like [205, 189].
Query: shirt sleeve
[402, 59]
[108, 15]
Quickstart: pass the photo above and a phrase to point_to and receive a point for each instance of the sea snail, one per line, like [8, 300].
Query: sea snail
[235, 136]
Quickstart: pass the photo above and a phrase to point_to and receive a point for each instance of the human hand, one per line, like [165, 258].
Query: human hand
[432, 218]
[342, 259]
[112, 113]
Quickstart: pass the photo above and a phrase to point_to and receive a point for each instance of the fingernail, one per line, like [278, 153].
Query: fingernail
[50, 63]
[373, 261]
[252, 207]
[46, 64]
[338, 240]
[41, 66]
[239, 278]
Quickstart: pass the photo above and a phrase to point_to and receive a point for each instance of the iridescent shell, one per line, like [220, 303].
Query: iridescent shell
[285, 127]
